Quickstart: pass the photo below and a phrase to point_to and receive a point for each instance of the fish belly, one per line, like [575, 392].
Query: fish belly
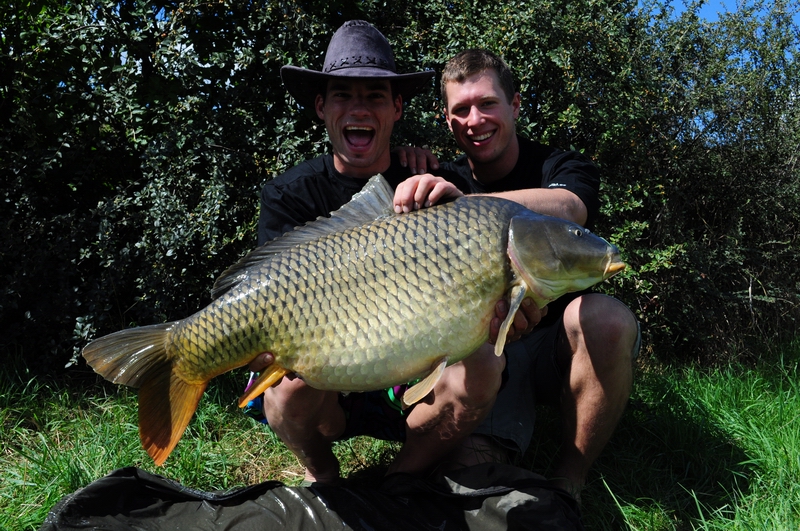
[365, 308]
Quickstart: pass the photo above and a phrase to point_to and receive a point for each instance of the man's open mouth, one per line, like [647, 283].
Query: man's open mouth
[359, 136]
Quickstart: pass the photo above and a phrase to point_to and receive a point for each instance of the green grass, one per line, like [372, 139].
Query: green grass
[704, 450]
[695, 450]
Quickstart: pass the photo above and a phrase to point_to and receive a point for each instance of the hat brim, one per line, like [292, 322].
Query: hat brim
[304, 84]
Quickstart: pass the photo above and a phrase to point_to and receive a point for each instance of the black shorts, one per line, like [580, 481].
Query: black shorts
[534, 377]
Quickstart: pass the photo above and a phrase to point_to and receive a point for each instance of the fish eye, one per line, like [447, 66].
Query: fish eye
[577, 232]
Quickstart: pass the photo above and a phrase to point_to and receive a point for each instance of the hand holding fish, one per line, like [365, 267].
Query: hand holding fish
[423, 191]
[524, 321]
[262, 361]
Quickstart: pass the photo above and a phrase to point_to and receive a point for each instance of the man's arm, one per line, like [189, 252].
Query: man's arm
[422, 191]
[550, 181]
[555, 202]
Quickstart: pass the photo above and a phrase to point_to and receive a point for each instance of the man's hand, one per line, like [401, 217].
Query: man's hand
[416, 158]
[422, 191]
[526, 318]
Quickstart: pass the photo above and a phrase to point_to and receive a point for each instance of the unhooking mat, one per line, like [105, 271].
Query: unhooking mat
[482, 497]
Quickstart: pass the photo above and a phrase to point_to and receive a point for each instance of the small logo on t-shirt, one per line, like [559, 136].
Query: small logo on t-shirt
[556, 185]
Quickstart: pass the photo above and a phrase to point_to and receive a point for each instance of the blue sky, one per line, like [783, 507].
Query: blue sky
[712, 8]
[710, 11]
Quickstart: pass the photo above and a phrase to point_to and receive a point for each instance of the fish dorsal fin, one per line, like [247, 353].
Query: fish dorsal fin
[374, 201]
[515, 300]
[421, 389]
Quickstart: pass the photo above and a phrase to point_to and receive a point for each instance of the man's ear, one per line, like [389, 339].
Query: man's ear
[447, 119]
[319, 106]
[398, 107]
[515, 104]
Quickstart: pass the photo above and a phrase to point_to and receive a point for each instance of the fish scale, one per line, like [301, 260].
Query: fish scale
[364, 300]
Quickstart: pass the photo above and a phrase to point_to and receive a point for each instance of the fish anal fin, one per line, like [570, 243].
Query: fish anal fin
[267, 379]
[514, 302]
[166, 405]
[421, 389]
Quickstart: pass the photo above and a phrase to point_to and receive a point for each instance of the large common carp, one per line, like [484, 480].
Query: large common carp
[364, 300]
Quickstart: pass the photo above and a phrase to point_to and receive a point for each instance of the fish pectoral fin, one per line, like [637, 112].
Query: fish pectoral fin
[515, 300]
[166, 405]
[421, 389]
[268, 378]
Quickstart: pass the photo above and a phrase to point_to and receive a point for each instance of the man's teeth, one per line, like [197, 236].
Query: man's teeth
[357, 128]
[478, 138]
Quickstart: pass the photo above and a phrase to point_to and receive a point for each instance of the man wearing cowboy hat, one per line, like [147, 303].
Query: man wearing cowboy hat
[359, 95]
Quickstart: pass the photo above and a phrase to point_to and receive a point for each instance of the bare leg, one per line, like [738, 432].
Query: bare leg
[307, 421]
[600, 337]
[458, 404]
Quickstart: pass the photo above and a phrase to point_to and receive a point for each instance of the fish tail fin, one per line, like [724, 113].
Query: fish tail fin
[130, 357]
[166, 405]
[139, 357]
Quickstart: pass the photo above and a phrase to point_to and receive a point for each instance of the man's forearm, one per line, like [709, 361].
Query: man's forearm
[552, 202]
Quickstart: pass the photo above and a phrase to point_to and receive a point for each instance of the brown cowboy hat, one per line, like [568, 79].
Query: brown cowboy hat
[357, 49]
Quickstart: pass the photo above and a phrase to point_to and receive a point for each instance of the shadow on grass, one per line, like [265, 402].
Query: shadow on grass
[664, 459]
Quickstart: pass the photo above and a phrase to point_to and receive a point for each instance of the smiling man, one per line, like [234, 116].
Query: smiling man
[359, 95]
[361, 114]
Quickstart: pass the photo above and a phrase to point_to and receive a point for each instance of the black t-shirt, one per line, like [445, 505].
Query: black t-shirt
[541, 166]
[314, 188]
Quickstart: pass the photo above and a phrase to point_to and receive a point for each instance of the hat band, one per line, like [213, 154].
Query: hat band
[358, 61]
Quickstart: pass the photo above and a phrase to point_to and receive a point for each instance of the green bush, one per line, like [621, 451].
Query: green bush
[135, 136]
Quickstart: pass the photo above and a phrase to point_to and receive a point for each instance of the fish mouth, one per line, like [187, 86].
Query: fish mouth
[359, 136]
[615, 265]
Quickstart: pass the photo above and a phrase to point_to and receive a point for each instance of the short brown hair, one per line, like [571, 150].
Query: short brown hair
[474, 61]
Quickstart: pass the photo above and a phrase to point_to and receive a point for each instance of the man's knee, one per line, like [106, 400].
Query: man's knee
[462, 397]
[292, 400]
[619, 328]
[605, 325]
[476, 380]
